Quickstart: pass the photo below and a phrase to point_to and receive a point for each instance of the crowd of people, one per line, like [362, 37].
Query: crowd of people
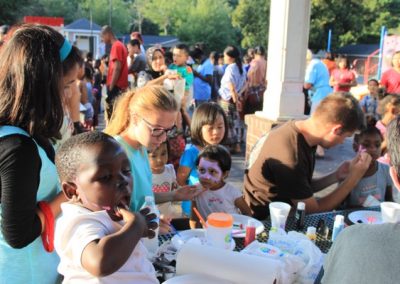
[173, 118]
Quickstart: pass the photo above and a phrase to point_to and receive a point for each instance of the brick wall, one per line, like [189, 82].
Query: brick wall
[256, 127]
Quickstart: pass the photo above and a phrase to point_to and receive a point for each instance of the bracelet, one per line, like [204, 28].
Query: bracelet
[48, 232]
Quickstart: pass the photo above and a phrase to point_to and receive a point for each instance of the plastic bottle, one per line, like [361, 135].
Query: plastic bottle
[337, 226]
[152, 244]
[250, 232]
[300, 215]
[312, 233]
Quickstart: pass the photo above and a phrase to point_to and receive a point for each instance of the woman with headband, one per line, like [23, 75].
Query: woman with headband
[37, 66]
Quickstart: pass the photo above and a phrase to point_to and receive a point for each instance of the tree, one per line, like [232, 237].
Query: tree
[208, 22]
[168, 15]
[252, 18]
[120, 13]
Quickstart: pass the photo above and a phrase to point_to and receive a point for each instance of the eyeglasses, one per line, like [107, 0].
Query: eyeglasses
[158, 131]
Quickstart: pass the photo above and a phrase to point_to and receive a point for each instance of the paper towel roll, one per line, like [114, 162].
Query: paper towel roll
[227, 265]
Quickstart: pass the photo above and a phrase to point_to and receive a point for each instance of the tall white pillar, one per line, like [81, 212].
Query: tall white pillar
[287, 44]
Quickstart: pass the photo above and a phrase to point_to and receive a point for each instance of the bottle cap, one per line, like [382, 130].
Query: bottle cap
[301, 206]
[311, 231]
[339, 219]
[251, 223]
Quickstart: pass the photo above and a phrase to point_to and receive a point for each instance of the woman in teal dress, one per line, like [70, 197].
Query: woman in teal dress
[37, 66]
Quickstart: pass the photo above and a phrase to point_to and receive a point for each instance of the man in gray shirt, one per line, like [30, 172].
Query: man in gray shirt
[369, 253]
[136, 60]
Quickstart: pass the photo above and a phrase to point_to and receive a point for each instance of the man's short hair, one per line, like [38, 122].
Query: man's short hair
[340, 108]
[393, 136]
[106, 30]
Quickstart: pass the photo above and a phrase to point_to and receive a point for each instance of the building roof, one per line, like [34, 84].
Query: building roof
[83, 24]
[150, 40]
[362, 50]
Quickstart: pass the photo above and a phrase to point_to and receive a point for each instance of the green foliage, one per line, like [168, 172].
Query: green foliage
[252, 18]
[208, 22]
[168, 15]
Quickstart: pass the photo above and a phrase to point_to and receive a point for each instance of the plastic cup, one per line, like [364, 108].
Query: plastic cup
[219, 230]
[390, 212]
[279, 212]
[179, 89]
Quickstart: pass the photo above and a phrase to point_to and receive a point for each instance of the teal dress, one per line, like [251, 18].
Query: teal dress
[31, 264]
[141, 173]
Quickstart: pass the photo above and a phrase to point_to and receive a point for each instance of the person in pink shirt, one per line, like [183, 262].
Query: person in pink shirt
[391, 78]
[342, 79]
[388, 108]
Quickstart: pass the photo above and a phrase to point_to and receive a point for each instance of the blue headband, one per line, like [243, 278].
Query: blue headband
[65, 50]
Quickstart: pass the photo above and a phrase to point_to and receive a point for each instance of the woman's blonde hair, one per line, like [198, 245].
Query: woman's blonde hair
[146, 99]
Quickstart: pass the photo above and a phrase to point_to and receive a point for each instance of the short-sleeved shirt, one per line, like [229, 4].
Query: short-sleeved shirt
[381, 127]
[186, 73]
[318, 76]
[141, 173]
[231, 75]
[76, 228]
[188, 159]
[285, 170]
[370, 104]
[391, 81]
[164, 182]
[118, 53]
[138, 64]
[220, 200]
[202, 89]
[364, 254]
[344, 76]
[374, 185]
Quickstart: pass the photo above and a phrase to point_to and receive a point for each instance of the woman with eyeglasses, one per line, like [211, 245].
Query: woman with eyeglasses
[141, 121]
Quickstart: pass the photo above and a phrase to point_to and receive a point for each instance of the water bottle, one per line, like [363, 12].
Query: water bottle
[337, 226]
[151, 244]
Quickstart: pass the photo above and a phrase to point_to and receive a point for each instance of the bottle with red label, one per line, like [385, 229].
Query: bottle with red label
[250, 233]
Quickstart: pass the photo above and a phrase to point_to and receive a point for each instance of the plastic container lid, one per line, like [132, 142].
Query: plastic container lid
[301, 206]
[221, 220]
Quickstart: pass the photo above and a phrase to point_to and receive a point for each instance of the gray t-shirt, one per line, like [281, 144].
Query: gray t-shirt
[364, 254]
[374, 185]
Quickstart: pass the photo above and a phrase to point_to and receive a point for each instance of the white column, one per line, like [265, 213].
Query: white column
[287, 45]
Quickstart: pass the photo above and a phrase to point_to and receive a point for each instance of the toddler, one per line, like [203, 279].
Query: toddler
[163, 178]
[376, 181]
[213, 166]
[369, 103]
[97, 238]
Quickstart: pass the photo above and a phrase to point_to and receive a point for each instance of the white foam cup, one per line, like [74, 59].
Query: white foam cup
[279, 212]
[390, 212]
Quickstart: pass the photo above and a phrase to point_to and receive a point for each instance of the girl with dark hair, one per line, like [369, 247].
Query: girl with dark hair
[208, 127]
[342, 78]
[232, 85]
[37, 66]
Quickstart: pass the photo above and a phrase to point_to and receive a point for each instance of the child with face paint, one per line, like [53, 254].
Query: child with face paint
[376, 181]
[97, 237]
[208, 127]
[213, 166]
